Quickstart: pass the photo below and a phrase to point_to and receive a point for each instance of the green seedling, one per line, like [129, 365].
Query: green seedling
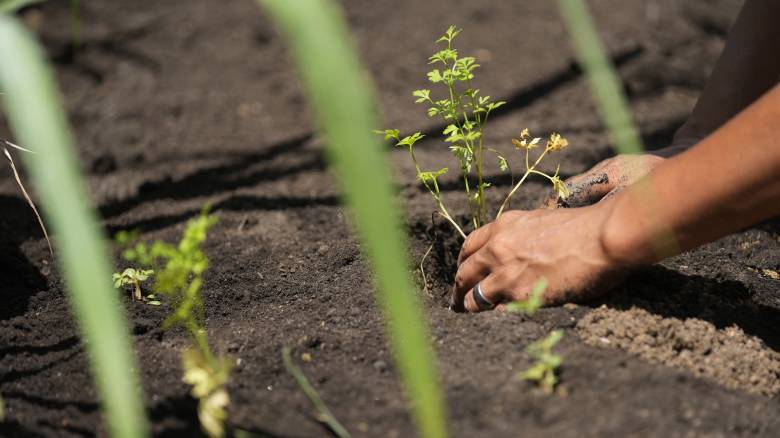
[465, 112]
[530, 305]
[134, 277]
[543, 371]
[179, 278]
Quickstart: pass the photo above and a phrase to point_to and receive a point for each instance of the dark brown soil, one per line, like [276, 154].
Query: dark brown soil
[179, 103]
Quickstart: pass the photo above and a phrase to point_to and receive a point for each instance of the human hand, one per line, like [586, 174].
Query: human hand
[604, 180]
[508, 256]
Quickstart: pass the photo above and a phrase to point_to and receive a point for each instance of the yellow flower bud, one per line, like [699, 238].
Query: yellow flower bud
[556, 142]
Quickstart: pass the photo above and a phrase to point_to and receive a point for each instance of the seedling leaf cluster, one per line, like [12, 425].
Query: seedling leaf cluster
[543, 371]
[134, 277]
[530, 305]
[465, 112]
[179, 279]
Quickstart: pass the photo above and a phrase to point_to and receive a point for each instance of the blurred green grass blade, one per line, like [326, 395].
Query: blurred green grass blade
[604, 81]
[7, 6]
[324, 412]
[32, 104]
[341, 96]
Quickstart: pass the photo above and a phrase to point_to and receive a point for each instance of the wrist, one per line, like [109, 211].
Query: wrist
[623, 235]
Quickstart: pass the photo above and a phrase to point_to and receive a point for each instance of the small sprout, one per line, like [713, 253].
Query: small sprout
[530, 305]
[132, 277]
[543, 371]
[179, 277]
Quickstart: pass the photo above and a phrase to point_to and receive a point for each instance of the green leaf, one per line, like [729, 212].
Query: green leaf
[493, 105]
[153, 303]
[435, 76]
[530, 305]
[535, 373]
[433, 175]
[443, 56]
[448, 36]
[454, 137]
[410, 140]
[390, 134]
[423, 95]
[502, 164]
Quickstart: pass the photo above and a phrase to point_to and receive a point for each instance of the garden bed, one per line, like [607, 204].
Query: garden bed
[181, 103]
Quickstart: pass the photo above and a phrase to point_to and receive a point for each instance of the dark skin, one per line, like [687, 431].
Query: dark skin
[719, 175]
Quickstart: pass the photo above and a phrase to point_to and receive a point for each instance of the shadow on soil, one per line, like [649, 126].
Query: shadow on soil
[20, 279]
[669, 293]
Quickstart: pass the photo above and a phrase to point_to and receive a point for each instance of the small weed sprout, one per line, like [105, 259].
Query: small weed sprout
[134, 277]
[543, 370]
[466, 113]
[530, 305]
[179, 279]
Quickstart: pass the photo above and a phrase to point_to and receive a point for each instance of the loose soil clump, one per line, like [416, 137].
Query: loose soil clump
[727, 356]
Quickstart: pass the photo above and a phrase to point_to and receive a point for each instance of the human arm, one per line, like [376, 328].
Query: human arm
[730, 180]
[746, 69]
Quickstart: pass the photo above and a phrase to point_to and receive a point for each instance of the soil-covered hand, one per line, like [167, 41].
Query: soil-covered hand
[604, 180]
[507, 257]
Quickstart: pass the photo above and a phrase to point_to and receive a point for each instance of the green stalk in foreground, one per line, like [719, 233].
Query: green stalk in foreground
[612, 104]
[9, 6]
[32, 103]
[604, 82]
[341, 96]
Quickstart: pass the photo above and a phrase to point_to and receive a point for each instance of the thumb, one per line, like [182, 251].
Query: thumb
[584, 189]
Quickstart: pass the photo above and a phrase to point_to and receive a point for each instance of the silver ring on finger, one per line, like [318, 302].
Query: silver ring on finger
[479, 298]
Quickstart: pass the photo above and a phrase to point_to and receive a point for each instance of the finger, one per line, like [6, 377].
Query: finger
[587, 189]
[470, 272]
[494, 290]
[613, 192]
[474, 242]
